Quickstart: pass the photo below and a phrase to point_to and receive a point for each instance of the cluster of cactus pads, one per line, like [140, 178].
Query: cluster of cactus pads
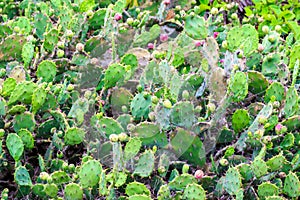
[133, 99]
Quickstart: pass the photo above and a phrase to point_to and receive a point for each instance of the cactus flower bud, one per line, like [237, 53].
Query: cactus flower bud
[79, 47]
[163, 37]
[185, 168]
[123, 137]
[260, 47]
[150, 46]
[167, 2]
[113, 138]
[223, 162]
[214, 11]
[265, 29]
[185, 94]
[118, 17]
[167, 104]
[216, 34]
[199, 174]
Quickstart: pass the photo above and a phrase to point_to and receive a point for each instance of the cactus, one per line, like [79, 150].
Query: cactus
[183, 114]
[107, 126]
[51, 39]
[22, 176]
[132, 148]
[136, 188]
[23, 23]
[294, 56]
[245, 171]
[195, 27]
[4, 194]
[244, 38]
[276, 162]
[79, 108]
[139, 197]
[267, 189]
[24, 120]
[239, 86]
[257, 82]
[18, 73]
[74, 136]
[292, 123]
[292, 185]
[38, 99]
[15, 146]
[140, 105]
[132, 61]
[73, 191]
[288, 141]
[270, 64]
[41, 22]
[233, 181]
[51, 190]
[194, 191]
[162, 116]
[271, 44]
[124, 120]
[259, 167]
[46, 71]
[147, 36]
[27, 53]
[275, 89]
[187, 146]
[11, 48]
[89, 173]
[275, 198]
[181, 182]
[149, 134]
[26, 138]
[164, 193]
[98, 18]
[145, 164]
[291, 103]
[22, 93]
[8, 87]
[60, 177]
[240, 120]
[114, 75]
[120, 97]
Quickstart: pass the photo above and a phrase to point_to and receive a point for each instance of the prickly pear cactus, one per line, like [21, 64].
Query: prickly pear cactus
[240, 120]
[22, 177]
[239, 86]
[257, 82]
[114, 74]
[27, 138]
[145, 165]
[140, 105]
[194, 191]
[74, 136]
[195, 27]
[181, 182]
[132, 148]
[259, 167]
[183, 114]
[89, 173]
[267, 189]
[46, 71]
[233, 181]
[15, 146]
[22, 93]
[292, 185]
[73, 191]
[275, 89]
[136, 188]
[291, 103]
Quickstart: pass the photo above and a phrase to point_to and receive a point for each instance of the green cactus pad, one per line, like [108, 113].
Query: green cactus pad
[257, 82]
[11, 48]
[51, 39]
[276, 162]
[22, 177]
[60, 177]
[27, 138]
[139, 197]
[24, 120]
[132, 148]
[120, 97]
[163, 193]
[136, 188]
[79, 108]
[240, 120]
[270, 64]
[114, 75]
[74, 136]
[51, 190]
[98, 19]
[73, 191]
[147, 36]
[22, 93]
[259, 167]
[182, 181]
[89, 173]
[292, 123]
[17, 109]
[233, 181]
[145, 164]
[38, 99]
[132, 61]
[275, 89]
[140, 105]
[107, 126]
[295, 52]
[15, 146]
[239, 86]
[194, 191]
[38, 190]
[244, 38]
[275, 198]
[292, 185]
[291, 103]
[267, 189]
[183, 114]
[195, 27]
[46, 71]
[8, 87]
[41, 22]
[27, 53]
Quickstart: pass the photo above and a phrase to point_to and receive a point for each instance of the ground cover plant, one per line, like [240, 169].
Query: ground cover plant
[138, 99]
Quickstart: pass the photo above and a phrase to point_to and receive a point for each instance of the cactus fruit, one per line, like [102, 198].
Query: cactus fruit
[194, 191]
[292, 185]
[239, 86]
[73, 191]
[46, 71]
[233, 181]
[89, 173]
[145, 164]
[195, 27]
[240, 120]
[135, 188]
[15, 146]
[74, 136]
